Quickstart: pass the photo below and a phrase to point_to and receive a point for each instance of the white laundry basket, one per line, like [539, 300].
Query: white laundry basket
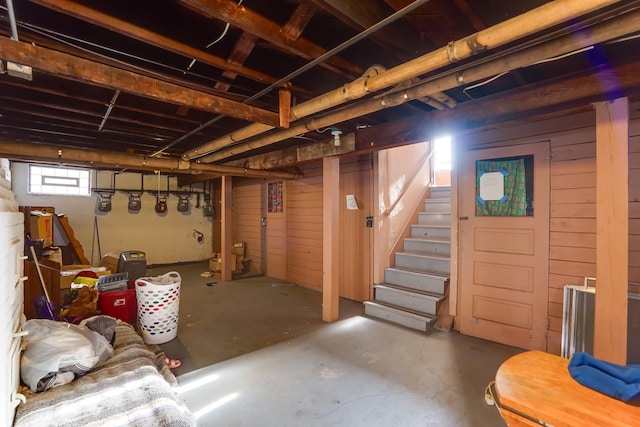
[158, 306]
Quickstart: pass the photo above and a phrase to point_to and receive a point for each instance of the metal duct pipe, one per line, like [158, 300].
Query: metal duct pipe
[608, 30]
[12, 20]
[543, 17]
[92, 158]
[342, 46]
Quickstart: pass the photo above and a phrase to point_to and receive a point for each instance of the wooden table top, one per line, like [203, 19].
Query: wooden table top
[538, 384]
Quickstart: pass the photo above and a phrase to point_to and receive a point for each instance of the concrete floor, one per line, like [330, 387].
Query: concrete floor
[255, 352]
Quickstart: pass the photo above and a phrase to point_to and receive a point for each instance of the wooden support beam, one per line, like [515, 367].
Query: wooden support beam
[404, 39]
[226, 230]
[612, 230]
[73, 68]
[326, 148]
[298, 21]
[110, 159]
[330, 238]
[247, 20]
[240, 53]
[284, 98]
[109, 22]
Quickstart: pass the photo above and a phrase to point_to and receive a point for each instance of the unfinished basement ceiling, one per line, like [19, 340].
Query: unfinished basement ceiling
[198, 70]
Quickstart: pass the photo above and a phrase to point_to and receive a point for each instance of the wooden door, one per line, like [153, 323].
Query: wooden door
[504, 259]
[355, 242]
[276, 231]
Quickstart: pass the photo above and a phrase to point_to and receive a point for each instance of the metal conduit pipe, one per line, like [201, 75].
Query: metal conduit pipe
[259, 128]
[342, 46]
[543, 17]
[608, 30]
[12, 20]
[26, 150]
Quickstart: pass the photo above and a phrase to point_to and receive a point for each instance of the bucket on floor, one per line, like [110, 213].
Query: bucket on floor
[158, 307]
[119, 304]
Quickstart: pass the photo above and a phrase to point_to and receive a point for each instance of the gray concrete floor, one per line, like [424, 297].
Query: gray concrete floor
[256, 352]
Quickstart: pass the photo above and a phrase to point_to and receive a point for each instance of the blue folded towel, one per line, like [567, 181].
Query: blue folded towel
[619, 382]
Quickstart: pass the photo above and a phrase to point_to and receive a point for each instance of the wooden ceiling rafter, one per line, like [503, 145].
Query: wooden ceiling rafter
[70, 67]
[88, 128]
[298, 21]
[119, 26]
[246, 20]
[607, 30]
[395, 37]
[241, 51]
[402, 40]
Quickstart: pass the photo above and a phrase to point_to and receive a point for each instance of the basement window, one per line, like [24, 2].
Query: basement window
[53, 180]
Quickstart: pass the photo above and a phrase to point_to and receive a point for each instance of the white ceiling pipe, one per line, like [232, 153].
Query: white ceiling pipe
[545, 16]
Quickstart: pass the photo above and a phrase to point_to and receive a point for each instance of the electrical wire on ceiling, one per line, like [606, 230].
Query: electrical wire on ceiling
[69, 41]
[224, 32]
[585, 23]
[542, 61]
[323, 130]
[328, 54]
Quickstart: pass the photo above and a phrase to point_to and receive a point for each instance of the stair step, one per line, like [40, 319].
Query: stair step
[409, 319]
[437, 205]
[424, 282]
[429, 218]
[431, 231]
[423, 263]
[416, 301]
[427, 246]
[440, 192]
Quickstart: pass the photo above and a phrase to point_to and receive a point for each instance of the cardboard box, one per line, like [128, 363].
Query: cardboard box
[41, 228]
[215, 264]
[69, 272]
[237, 249]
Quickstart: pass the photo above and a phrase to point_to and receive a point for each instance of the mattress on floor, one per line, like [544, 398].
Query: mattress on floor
[134, 387]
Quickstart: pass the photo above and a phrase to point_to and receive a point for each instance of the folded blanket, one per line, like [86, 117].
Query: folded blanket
[619, 382]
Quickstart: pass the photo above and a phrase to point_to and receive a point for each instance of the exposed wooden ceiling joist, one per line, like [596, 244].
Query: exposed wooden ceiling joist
[154, 39]
[253, 23]
[403, 39]
[67, 66]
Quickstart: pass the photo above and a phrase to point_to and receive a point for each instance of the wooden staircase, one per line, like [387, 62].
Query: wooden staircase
[415, 287]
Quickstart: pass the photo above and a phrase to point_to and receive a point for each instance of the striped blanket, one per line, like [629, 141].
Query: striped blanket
[132, 388]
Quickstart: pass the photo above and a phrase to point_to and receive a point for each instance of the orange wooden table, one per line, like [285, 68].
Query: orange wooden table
[538, 385]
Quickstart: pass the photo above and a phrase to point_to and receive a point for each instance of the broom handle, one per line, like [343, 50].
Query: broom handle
[35, 260]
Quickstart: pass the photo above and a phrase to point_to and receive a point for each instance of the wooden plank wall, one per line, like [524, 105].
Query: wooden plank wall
[572, 228]
[304, 227]
[634, 198]
[247, 211]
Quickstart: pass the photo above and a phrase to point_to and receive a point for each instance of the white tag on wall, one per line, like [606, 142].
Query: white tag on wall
[352, 204]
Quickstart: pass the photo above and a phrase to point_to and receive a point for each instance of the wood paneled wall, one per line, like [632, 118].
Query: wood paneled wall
[304, 228]
[572, 228]
[247, 211]
[572, 231]
[634, 199]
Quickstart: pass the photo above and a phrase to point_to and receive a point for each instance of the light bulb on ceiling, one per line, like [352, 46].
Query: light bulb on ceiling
[336, 136]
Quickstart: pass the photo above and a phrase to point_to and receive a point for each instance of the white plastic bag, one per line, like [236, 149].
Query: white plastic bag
[59, 352]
